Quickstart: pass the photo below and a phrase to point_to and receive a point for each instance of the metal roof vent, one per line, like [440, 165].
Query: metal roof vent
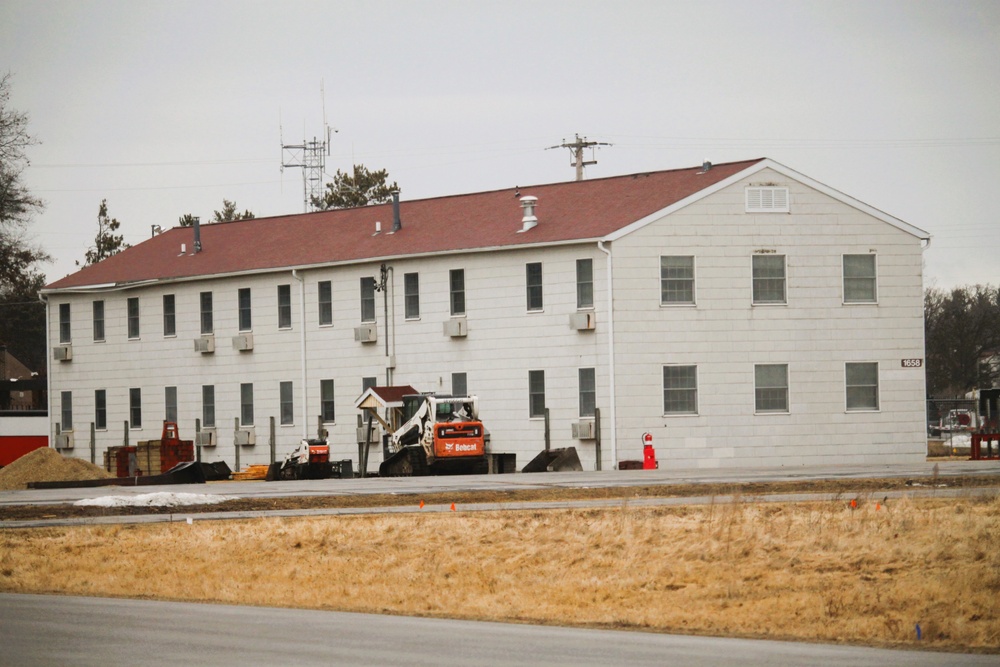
[705, 166]
[529, 220]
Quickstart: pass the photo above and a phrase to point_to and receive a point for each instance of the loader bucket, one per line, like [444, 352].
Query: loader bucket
[555, 460]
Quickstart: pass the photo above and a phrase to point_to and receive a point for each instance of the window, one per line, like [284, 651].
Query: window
[286, 407]
[284, 306]
[533, 282]
[246, 404]
[536, 393]
[170, 404]
[368, 383]
[245, 321]
[859, 279]
[207, 326]
[769, 279]
[98, 321]
[771, 388]
[325, 303]
[584, 283]
[326, 410]
[767, 200]
[676, 280]
[67, 410]
[133, 317]
[208, 405]
[588, 392]
[135, 407]
[680, 390]
[100, 409]
[459, 384]
[456, 280]
[169, 316]
[65, 332]
[862, 386]
[368, 299]
[411, 292]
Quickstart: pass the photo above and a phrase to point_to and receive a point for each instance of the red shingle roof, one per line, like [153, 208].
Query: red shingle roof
[570, 211]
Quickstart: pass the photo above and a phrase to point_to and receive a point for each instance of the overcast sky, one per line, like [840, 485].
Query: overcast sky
[166, 108]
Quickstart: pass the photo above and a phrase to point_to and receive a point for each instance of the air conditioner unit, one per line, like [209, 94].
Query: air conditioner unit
[457, 327]
[62, 353]
[64, 441]
[205, 344]
[246, 437]
[243, 342]
[366, 333]
[363, 434]
[205, 439]
[585, 321]
[584, 430]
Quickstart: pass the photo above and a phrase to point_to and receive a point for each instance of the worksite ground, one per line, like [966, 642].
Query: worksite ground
[823, 569]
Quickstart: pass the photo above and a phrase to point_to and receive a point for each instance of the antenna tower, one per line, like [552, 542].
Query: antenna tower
[310, 156]
[576, 150]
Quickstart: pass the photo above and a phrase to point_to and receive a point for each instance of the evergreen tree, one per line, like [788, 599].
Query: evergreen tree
[359, 188]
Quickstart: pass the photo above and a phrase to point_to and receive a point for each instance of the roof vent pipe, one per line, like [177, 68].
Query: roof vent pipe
[705, 166]
[397, 224]
[197, 234]
[529, 220]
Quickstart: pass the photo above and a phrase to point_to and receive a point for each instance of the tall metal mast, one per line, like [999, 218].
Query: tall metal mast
[310, 156]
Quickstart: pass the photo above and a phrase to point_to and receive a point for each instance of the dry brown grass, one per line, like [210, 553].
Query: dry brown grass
[813, 571]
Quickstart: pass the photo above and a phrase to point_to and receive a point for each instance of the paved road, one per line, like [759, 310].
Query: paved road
[610, 478]
[54, 630]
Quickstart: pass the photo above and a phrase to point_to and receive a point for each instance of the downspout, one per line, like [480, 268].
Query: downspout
[48, 370]
[302, 351]
[611, 358]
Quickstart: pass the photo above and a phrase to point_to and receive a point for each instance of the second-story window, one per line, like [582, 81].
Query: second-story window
[65, 332]
[368, 299]
[676, 280]
[169, 316]
[133, 317]
[456, 280]
[769, 279]
[207, 325]
[98, 321]
[584, 283]
[284, 306]
[245, 322]
[533, 284]
[411, 290]
[325, 303]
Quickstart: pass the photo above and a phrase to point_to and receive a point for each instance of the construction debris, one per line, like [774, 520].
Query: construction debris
[47, 465]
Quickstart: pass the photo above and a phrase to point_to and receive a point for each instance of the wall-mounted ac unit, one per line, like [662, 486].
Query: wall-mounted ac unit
[205, 344]
[62, 353]
[585, 321]
[366, 333]
[246, 437]
[457, 327]
[243, 342]
[205, 438]
[584, 430]
[364, 437]
[64, 441]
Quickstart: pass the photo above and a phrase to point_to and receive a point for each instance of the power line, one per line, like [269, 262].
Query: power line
[576, 150]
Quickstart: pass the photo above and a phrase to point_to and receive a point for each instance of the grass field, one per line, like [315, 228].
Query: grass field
[810, 571]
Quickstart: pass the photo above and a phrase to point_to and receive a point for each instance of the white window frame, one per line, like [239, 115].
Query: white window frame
[324, 303]
[532, 414]
[244, 309]
[286, 403]
[756, 399]
[284, 307]
[873, 278]
[98, 320]
[130, 318]
[246, 404]
[411, 295]
[169, 316]
[784, 280]
[680, 413]
[534, 292]
[693, 281]
[587, 395]
[65, 323]
[847, 387]
[100, 409]
[328, 400]
[585, 284]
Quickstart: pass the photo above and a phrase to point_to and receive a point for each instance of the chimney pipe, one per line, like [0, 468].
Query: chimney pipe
[197, 234]
[529, 220]
[397, 224]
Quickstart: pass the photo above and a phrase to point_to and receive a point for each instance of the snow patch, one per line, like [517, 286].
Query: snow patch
[162, 499]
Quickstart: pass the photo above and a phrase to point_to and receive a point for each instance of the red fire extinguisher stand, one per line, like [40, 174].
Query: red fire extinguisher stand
[649, 461]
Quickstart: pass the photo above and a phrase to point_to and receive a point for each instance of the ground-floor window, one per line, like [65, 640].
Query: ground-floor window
[326, 404]
[287, 408]
[680, 390]
[246, 404]
[862, 386]
[771, 388]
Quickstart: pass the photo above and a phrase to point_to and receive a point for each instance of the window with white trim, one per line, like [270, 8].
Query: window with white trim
[208, 405]
[284, 306]
[769, 279]
[411, 295]
[771, 388]
[246, 404]
[680, 390]
[536, 393]
[100, 409]
[135, 407]
[676, 280]
[170, 404]
[66, 417]
[169, 315]
[860, 279]
[65, 331]
[207, 325]
[133, 317]
[766, 199]
[325, 303]
[584, 283]
[98, 321]
[533, 285]
[459, 384]
[286, 405]
[456, 284]
[326, 403]
[862, 386]
[243, 307]
[368, 299]
[588, 392]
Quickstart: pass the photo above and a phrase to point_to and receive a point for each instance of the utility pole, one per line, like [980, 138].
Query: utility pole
[576, 151]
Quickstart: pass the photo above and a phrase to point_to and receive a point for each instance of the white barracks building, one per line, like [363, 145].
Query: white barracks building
[743, 314]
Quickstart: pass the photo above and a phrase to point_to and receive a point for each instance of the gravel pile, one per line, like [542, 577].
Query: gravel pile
[47, 465]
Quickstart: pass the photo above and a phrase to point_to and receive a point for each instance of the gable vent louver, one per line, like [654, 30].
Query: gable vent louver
[766, 199]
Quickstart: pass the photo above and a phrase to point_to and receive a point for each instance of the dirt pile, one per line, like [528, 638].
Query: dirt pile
[47, 465]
